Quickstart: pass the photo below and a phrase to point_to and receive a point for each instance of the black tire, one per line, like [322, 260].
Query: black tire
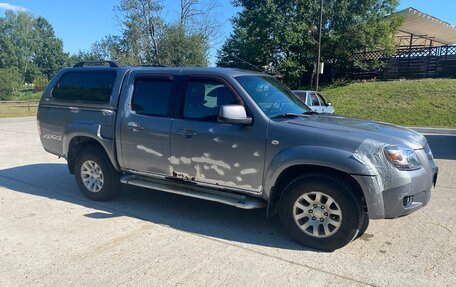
[350, 208]
[111, 178]
[364, 225]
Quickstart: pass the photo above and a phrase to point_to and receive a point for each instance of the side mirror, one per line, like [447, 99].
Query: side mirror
[233, 114]
[329, 104]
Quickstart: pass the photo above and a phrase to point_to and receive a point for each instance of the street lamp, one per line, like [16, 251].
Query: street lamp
[317, 68]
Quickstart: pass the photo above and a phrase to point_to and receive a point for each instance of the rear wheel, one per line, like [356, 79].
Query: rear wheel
[96, 177]
[320, 212]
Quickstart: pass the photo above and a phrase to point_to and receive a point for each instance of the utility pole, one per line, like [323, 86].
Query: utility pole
[317, 68]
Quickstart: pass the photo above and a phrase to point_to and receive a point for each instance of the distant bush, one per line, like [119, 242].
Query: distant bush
[39, 84]
[10, 82]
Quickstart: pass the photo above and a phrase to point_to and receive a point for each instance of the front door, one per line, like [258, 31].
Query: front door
[146, 125]
[324, 107]
[315, 103]
[206, 151]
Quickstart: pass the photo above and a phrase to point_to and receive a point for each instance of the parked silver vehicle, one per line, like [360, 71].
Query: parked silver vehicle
[234, 137]
[315, 101]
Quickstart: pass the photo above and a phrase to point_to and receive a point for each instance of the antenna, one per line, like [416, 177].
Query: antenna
[251, 65]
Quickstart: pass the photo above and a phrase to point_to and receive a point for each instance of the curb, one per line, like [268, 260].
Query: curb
[434, 130]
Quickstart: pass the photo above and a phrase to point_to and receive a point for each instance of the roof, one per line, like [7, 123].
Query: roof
[231, 72]
[419, 23]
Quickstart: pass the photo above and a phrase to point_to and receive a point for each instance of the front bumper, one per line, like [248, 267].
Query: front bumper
[413, 192]
[406, 199]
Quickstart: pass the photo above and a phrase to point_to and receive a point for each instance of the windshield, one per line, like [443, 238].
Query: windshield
[273, 97]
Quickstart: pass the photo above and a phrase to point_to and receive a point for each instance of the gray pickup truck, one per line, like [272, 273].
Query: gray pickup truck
[234, 137]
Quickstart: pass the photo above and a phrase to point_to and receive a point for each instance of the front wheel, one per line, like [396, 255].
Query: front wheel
[364, 224]
[320, 212]
[96, 177]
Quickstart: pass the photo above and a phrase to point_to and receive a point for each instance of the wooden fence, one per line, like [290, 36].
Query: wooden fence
[24, 104]
[413, 63]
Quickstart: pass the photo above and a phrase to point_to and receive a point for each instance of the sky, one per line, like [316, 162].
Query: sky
[79, 23]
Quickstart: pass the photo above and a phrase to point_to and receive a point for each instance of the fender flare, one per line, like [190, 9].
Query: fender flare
[328, 157]
[90, 130]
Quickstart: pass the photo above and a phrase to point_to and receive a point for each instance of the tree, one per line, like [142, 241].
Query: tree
[179, 49]
[142, 26]
[10, 81]
[29, 45]
[187, 42]
[40, 83]
[16, 36]
[146, 38]
[279, 32]
[198, 17]
[115, 48]
[48, 56]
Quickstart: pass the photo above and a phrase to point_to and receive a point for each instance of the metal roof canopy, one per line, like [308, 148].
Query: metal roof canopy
[426, 26]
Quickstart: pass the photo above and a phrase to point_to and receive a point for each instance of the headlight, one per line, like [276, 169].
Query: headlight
[402, 157]
[428, 152]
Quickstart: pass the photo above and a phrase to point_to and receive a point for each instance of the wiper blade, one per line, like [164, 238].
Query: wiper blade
[310, 113]
[286, 115]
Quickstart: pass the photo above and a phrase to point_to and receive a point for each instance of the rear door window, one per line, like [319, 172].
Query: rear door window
[152, 97]
[87, 86]
[301, 95]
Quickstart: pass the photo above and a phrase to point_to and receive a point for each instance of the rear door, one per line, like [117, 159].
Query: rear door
[301, 95]
[209, 152]
[146, 124]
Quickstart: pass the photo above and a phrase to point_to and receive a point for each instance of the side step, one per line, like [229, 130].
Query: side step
[228, 198]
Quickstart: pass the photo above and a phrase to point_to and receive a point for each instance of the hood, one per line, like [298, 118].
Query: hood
[381, 132]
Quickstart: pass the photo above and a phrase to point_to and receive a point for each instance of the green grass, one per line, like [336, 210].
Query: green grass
[26, 94]
[423, 103]
[9, 112]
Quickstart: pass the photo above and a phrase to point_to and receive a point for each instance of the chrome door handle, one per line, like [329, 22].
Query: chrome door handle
[187, 133]
[74, 109]
[134, 127]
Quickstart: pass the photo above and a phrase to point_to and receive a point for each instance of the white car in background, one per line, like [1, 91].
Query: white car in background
[315, 101]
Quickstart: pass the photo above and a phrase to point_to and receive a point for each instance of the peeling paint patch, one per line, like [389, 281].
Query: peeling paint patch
[149, 150]
[174, 160]
[199, 175]
[217, 169]
[234, 146]
[211, 130]
[236, 164]
[238, 178]
[206, 167]
[217, 140]
[248, 171]
[206, 154]
[211, 161]
[185, 160]
[256, 154]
